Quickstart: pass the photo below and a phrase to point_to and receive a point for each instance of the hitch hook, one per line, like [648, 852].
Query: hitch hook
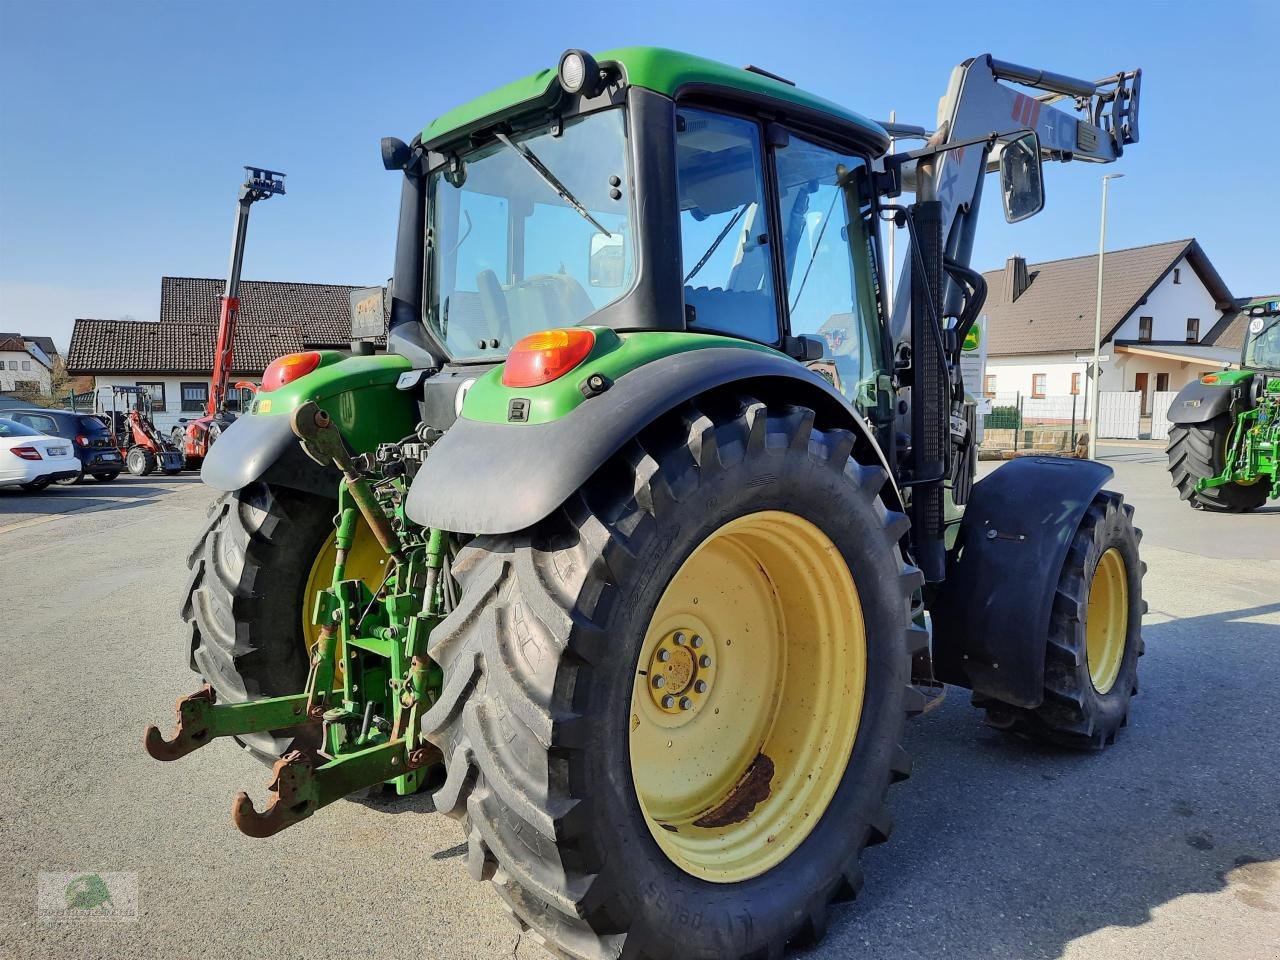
[192, 731]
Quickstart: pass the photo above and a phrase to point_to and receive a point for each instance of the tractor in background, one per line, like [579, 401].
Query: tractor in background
[595, 555]
[142, 446]
[1224, 438]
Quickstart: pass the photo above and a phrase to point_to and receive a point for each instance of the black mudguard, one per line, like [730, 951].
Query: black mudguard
[264, 448]
[1200, 402]
[493, 478]
[991, 616]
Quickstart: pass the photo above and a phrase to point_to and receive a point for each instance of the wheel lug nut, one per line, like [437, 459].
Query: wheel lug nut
[686, 703]
[700, 686]
[659, 682]
[697, 640]
[704, 661]
[668, 702]
[679, 639]
[664, 655]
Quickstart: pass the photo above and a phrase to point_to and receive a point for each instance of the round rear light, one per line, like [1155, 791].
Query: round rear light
[545, 356]
[82, 440]
[288, 368]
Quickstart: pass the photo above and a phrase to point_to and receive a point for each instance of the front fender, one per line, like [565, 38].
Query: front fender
[359, 393]
[489, 477]
[991, 615]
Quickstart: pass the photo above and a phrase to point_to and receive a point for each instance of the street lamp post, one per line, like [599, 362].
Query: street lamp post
[1097, 325]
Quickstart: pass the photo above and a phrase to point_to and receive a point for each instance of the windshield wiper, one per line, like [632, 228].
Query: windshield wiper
[552, 181]
[715, 244]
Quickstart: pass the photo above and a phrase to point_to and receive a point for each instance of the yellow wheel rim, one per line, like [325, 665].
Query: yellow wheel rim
[1107, 623]
[748, 695]
[366, 561]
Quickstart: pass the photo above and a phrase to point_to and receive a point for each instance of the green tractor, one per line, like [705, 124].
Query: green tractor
[592, 552]
[1224, 438]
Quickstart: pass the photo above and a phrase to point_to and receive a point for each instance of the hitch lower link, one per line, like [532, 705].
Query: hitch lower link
[363, 664]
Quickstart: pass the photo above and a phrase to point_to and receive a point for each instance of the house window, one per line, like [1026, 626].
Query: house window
[1193, 329]
[26, 364]
[1075, 384]
[989, 385]
[1144, 329]
[1162, 382]
[156, 392]
[194, 397]
[13, 364]
[1177, 274]
[1038, 384]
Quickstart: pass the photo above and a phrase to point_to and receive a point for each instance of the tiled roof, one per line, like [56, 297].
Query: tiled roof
[275, 319]
[12, 341]
[1229, 331]
[322, 310]
[1055, 313]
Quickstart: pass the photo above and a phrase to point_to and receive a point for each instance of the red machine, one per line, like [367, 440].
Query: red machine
[142, 446]
[200, 434]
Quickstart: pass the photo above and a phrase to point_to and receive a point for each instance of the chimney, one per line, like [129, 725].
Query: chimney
[1016, 279]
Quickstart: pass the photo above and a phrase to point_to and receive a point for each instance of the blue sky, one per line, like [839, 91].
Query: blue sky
[124, 125]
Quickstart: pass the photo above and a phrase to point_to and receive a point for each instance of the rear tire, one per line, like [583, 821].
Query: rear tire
[540, 660]
[1197, 451]
[106, 477]
[140, 461]
[249, 571]
[1086, 698]
[35, 486]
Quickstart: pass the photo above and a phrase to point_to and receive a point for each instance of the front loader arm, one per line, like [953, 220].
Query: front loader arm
[976, 105]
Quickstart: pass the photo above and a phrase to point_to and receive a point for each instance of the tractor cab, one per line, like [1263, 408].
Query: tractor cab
[1262, 336]
[742, 207]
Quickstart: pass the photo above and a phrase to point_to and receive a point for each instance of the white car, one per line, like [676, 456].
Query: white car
[32, 459]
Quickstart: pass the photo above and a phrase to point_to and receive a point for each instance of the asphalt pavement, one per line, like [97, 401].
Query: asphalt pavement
[1166, 845]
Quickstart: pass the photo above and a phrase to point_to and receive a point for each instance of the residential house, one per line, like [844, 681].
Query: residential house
[173, 358]
[1166, 317]
[26, 362]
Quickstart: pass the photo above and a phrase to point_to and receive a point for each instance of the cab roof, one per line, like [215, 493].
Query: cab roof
[667, 72]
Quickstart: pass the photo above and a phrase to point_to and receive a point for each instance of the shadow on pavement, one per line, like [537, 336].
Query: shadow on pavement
[1008, 849]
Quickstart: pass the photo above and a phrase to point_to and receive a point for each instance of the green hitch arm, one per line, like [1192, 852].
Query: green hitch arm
[201, 719]
[302, 785]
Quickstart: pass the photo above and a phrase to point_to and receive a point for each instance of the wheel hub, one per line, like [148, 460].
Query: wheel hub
[681, 672]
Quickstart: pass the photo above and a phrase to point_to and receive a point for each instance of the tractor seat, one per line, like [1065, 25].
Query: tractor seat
[744, 313]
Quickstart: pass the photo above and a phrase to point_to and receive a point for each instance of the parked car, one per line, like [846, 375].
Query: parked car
[90, 439]
[33, 460]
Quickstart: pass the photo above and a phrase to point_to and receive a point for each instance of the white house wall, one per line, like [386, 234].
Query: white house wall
[10, 378]
[173, 412]
[1170, 305]
[1013, 373]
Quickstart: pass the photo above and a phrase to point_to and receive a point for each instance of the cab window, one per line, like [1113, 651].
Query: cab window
[828, 248]
[724, 233]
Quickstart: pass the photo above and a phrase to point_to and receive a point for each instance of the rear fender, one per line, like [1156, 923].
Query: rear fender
[991, 615]
[359, 393]
[504, 473]
[1200, 402]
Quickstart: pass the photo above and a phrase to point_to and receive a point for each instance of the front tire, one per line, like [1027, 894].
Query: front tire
[1095, 636]
[140, 461]
[543, 656]
[1197, 451]
[70, 481]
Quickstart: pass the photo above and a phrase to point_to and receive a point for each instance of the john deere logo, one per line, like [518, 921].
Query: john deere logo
[972, 339]
[87, 893]
[88, 896]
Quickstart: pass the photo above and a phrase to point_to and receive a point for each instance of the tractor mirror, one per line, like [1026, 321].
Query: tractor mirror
[606, 260]
[1021, 186]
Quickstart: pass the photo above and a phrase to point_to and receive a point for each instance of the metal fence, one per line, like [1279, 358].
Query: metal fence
[1018, 421]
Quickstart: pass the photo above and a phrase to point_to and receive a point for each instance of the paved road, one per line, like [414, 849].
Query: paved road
[1167, 845]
